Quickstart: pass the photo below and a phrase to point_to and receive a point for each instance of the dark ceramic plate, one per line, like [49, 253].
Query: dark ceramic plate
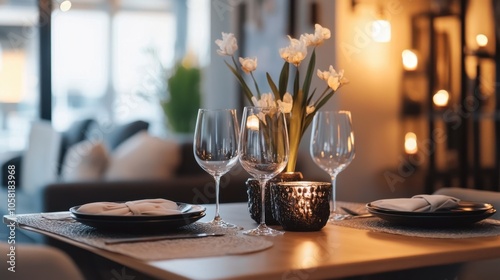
[141, 223]
[459, 217]
[464, 208]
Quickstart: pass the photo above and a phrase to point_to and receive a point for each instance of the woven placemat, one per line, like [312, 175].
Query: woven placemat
[233, 242]
[485, 228]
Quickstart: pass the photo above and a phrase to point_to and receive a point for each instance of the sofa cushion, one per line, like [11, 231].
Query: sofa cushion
[40, 159]
[144, 157]
[85, 161]
[122, 132]
[75, 134]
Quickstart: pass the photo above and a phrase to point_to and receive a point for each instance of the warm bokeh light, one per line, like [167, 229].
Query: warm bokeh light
[441, 98]
[481, 40]
[65, 6]
[381, 31]
[411, 146]
[253, 122]
[410, 60]
[12, 76]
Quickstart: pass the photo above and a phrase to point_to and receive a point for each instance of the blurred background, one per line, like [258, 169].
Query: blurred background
[422, 92]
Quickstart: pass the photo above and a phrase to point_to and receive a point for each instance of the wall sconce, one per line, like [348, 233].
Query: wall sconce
[411, 146]
[380, 27]
[65, 6]
[481, 40]
[381, 30]
[410, 60]
[441, 98]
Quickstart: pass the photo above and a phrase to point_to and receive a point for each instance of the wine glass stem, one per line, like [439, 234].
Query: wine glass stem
[217, 185]
[334, 195]
[263, 202]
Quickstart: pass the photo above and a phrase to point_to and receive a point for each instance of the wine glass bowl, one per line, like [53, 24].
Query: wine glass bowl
[263, 152]
[332, 148]
[215, 148]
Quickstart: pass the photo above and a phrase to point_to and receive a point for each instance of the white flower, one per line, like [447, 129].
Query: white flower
[295, 52]
[310, 109]
[334, 79]
[228, 45]
[287, 103]
[266, 100]
[324, 75]
[320, 34]
[248, 64]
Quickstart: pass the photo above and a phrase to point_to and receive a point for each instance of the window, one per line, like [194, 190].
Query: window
[101, 61]
[18, 72]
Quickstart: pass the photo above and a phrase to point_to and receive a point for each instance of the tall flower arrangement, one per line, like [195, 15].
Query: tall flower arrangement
[298, 101]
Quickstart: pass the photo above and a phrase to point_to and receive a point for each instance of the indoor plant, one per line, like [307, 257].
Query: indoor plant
[177, 89]
[184, 100]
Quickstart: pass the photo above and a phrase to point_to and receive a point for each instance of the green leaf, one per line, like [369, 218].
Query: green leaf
[256, 85]
[283, 81]
[310, 97]
[309, 73]
[246, 89]
[322, 96]
[324, 100]
[273, 87]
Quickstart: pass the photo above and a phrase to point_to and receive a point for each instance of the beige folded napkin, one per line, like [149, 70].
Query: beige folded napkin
[418, 203]
[156, 206]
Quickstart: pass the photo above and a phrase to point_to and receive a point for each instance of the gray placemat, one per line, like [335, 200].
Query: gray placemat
[485, 228]
[233, 242]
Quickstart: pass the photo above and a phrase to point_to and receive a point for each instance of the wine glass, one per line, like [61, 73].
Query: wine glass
[264, 151]
[215, 148]
[332, 148]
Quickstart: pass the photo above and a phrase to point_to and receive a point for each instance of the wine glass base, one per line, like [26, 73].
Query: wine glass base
[222, 224]
[338, 217]
[263, 230]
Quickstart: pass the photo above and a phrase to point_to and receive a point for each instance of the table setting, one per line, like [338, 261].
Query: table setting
[452, 220]
[159, 229]
[265, 142]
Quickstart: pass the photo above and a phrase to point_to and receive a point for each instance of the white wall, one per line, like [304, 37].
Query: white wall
[373, 96]
[219, 83]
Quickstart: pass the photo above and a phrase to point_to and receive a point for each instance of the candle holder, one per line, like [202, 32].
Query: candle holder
[301, 205]
[254, 197]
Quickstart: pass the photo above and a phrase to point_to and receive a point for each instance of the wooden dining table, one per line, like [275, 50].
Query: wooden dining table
[334, 252]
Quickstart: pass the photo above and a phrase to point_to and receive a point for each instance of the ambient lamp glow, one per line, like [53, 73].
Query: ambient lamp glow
[65, 6]
[441, 98]
[410, 60]
[381, 30]
[411, 146]
[481, 40]
[253, 122]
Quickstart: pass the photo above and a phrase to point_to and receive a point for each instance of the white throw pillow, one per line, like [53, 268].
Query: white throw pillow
[144, 157]
[85, 161]
[39, 163]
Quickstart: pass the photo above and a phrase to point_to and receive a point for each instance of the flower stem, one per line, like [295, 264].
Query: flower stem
[256, 85]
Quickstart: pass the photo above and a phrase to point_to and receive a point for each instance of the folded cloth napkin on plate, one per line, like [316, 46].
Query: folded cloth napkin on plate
[156, 206]
[418, 203]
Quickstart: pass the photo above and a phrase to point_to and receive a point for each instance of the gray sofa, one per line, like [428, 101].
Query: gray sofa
[191, 184]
